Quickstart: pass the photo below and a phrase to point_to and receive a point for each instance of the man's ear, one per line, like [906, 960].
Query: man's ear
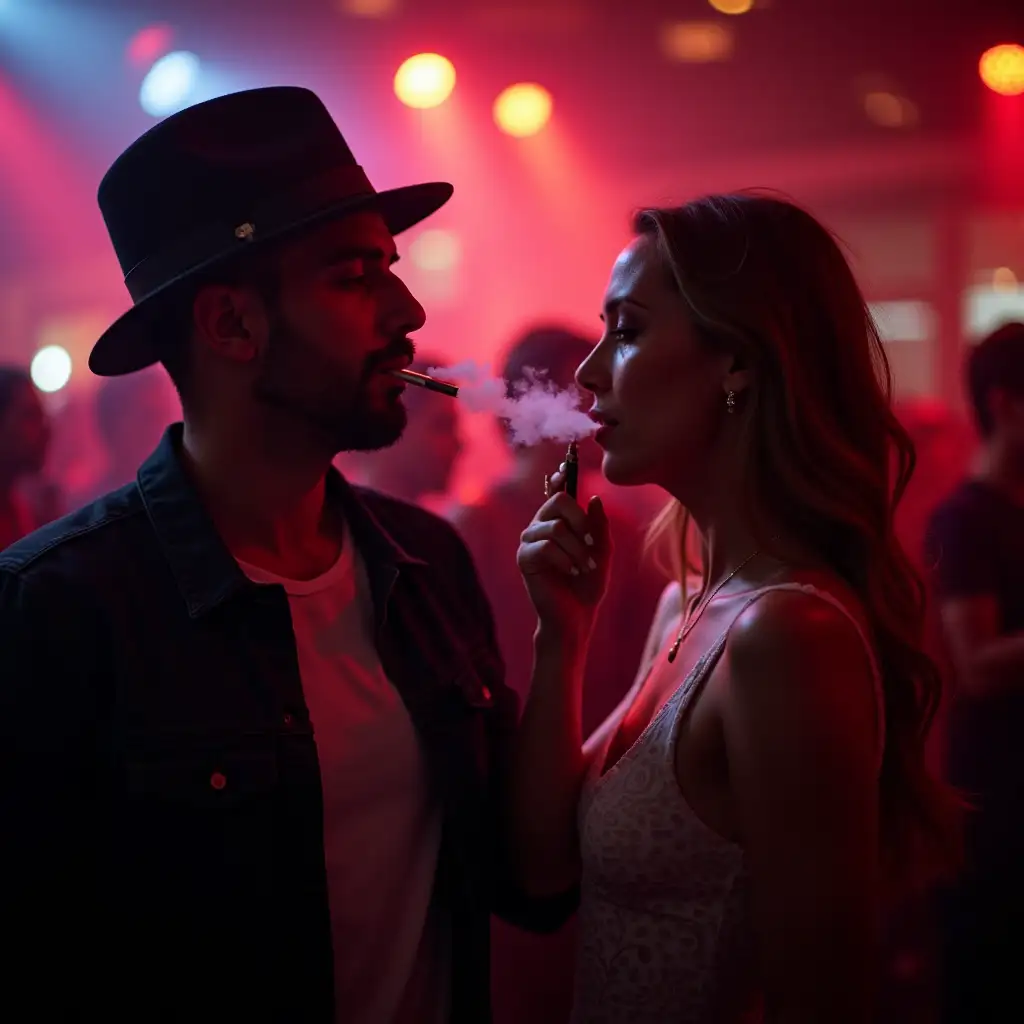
[229, 321]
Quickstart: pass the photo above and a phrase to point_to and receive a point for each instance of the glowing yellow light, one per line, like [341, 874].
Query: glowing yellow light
[889, 110]
[425, 81]
[696, 42]
[1002, 69]
[435, 249]
[51, 368]
[1004, 280]
[732, 6]
[523, 109]
[367, 8]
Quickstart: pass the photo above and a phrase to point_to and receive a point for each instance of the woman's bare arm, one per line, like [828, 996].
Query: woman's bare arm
[550, 771]
[800, 729]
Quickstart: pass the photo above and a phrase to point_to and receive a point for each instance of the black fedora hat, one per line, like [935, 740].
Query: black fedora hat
[207, 183]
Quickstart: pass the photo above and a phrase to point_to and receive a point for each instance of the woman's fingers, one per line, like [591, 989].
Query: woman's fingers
[560, 534]
[561, 506]
[542, 556]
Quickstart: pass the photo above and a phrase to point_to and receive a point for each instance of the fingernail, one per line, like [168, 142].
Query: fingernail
[561, 467]
[589, 540]
[592, 563]
[574, 571]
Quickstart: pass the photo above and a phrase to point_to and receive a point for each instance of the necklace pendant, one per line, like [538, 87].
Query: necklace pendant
[674, 649]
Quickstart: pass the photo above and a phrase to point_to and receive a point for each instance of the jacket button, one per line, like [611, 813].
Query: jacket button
[486, 692]
[288, 720]
[218, 781]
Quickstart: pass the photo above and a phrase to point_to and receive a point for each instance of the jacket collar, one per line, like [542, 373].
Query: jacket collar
[205, 571]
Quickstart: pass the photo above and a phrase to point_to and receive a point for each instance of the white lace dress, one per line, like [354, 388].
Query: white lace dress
[664, 929]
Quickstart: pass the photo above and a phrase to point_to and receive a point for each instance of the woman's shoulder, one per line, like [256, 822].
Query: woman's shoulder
[805, 599]
[800, 628]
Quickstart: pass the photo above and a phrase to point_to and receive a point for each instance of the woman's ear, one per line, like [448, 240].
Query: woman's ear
[737, 377]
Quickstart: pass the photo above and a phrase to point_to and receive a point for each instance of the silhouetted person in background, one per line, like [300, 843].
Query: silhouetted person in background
[491, 528]
[419, 467]
[494, 521]
[943, 443]
[24, 441]
[976, 544]
[132, 413]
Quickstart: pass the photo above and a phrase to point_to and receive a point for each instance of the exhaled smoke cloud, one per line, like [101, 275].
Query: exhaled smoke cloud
[537, 411]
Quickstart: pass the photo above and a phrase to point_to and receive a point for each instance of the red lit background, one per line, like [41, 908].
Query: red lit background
[874, 113]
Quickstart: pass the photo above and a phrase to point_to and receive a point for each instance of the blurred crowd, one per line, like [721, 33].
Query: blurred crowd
[961, 520]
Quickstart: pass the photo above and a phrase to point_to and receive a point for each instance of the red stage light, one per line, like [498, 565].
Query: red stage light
[150, 44]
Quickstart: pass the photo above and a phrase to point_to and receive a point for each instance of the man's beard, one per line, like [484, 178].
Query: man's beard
[369, 430]
[337, 410]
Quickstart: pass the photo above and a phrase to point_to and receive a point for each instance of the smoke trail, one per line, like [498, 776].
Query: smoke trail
[536, 411]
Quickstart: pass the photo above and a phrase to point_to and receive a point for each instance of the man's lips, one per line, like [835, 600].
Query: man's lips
[402, 363]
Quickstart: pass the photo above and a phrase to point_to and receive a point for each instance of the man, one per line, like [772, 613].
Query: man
[491, 527]
[253, 720]
[976, 543]
[419, 467]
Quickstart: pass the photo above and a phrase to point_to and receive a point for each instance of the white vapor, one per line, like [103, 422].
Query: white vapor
[537, 411]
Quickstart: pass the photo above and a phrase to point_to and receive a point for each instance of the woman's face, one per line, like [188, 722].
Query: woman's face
[659, 391]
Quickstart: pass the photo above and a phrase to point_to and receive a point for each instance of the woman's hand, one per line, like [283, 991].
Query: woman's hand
[564, 556]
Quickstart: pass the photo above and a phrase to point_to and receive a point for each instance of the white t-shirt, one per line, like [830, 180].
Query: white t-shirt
[382, 825]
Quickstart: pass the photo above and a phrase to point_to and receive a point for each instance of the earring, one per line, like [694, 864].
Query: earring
[730, 402]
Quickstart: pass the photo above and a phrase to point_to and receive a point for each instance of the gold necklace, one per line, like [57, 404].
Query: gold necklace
[692, 620]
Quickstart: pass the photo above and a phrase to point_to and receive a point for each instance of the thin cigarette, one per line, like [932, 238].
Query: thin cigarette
[421, 380]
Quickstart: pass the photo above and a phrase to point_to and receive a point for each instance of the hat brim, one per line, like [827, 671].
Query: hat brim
[128, 344]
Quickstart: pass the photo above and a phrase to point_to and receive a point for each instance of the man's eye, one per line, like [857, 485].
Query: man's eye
[351, 268]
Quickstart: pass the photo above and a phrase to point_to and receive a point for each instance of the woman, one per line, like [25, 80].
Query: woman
[736, 823]
[24, 441]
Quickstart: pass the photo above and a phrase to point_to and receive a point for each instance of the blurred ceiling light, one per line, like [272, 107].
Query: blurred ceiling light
[1002, 69]
[1004, 279]
[425, 81]
[732, 6]
[889, 110]
[435, 249]
[367, 8]
[51, 368]
[169, 84]
[697, 42]
[523, 109]
[149, 44]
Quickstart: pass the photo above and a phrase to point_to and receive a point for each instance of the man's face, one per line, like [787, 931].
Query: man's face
[340, 322]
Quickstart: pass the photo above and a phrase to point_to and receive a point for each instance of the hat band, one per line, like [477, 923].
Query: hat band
[265, 219]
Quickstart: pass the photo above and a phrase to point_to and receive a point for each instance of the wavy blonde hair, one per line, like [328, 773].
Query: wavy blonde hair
[826, 457]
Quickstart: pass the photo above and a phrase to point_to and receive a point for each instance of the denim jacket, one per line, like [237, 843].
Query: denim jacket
[162, 847]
